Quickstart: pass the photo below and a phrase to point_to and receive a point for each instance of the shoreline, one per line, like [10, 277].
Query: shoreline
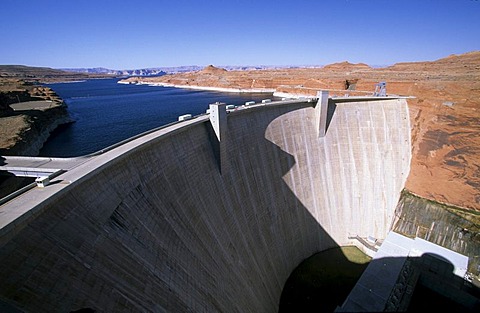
[205, 88]
[68, 82]
[272, 91]
[282, 94]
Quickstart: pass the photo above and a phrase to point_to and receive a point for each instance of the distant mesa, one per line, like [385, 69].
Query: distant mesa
[43, 74]
[106, 71]
[213, 70]
[346, 66]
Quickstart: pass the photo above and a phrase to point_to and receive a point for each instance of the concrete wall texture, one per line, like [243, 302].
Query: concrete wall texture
[154, 225]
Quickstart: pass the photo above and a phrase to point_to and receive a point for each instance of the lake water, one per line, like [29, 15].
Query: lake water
[106, 112]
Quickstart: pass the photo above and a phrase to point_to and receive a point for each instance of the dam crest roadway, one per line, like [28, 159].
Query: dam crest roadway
[211, 213]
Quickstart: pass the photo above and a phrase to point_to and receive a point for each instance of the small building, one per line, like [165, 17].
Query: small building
[184, 117]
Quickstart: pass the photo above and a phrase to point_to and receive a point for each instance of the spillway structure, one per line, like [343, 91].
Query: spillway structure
[210, 214]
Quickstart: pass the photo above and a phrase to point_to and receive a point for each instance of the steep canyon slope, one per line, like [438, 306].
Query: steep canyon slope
[444, 113]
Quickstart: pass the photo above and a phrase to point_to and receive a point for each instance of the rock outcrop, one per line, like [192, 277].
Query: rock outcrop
[346, 66]
[213, 70]
[24, 132]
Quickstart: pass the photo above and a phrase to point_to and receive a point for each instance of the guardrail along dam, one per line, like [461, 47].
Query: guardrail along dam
[210, 214]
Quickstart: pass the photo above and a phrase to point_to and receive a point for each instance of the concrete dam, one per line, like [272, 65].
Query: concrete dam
[210, 214]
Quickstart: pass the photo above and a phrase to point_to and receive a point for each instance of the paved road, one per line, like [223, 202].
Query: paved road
[38, 166]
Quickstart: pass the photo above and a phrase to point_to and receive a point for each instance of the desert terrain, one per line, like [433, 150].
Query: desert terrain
[444, 111]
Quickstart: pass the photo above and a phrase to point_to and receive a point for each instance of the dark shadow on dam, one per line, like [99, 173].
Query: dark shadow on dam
[332, 106]
[323, 281]
[436, 287]
[428, 284]
[214, 144]
[423, 284]
[257, 194]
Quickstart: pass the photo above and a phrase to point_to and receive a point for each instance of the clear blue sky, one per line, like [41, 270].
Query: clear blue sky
[133, 34]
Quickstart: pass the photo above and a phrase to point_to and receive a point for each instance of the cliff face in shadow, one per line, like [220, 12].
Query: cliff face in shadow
[26, 132]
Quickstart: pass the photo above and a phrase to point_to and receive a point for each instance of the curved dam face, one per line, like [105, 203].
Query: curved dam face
[158, 225]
